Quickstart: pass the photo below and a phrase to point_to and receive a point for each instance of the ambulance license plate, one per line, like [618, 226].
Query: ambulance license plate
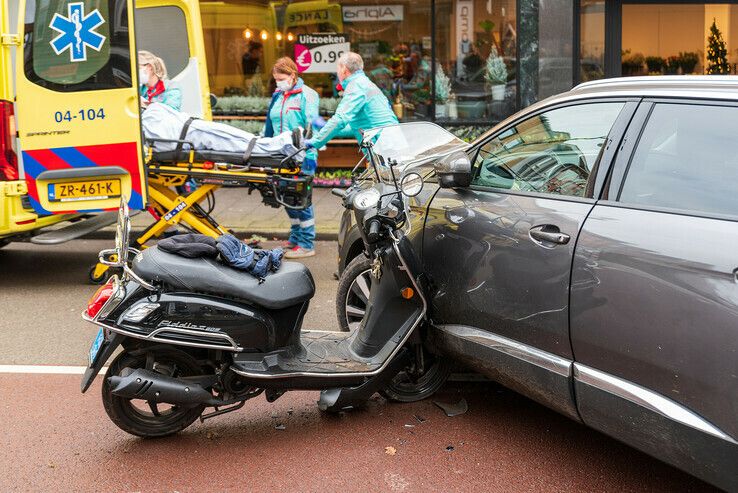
[84, 190]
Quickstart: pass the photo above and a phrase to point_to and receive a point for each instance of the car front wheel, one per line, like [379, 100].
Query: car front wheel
[353, 293]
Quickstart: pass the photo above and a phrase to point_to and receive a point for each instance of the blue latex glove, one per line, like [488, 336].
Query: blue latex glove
[318, 123]
[309, 144]
[309, 165]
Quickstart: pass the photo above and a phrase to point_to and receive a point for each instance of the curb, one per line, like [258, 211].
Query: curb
[278, 234]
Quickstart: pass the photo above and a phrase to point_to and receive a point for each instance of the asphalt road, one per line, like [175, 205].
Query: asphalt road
[52, 438]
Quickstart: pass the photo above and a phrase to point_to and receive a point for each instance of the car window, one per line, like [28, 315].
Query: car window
[77, 46]
[552, 152]
[687, 159]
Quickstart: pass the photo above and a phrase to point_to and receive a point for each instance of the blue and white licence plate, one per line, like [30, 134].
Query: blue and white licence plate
[96, 345]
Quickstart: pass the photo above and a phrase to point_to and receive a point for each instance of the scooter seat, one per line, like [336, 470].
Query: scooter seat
[290, 285]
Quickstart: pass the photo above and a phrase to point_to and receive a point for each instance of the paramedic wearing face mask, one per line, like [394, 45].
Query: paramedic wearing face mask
[363, 106]
[155, 87]
[294, 105]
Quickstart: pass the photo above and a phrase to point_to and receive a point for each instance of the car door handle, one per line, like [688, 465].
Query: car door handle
[548, 234]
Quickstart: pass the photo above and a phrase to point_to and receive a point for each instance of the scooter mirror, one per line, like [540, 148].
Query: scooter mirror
[411, 184]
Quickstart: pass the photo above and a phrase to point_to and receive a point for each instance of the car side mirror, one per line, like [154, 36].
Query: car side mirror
[454, 171]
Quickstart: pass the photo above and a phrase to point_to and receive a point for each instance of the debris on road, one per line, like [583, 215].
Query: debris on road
[390, 450]
[409, 426]
[280, 426]
[453, 409]
[419, 418]
[450, 448]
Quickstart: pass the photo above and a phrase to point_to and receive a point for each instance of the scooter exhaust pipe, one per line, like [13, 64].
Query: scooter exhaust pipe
[151, 386]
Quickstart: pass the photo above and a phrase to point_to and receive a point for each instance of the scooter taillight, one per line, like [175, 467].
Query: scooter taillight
[8, 157]
[101, 296]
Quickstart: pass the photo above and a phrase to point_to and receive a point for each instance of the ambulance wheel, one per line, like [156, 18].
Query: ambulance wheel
[95, 277]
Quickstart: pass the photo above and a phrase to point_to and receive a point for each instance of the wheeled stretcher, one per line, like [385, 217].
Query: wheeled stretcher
[278, 178]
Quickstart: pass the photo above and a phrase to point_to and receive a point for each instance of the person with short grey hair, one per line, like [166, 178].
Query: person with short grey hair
[352, 61]
[362, 107]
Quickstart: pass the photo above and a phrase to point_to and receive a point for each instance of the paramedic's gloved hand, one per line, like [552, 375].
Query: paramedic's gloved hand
[309, 144]
[309, 165]
[318, 123]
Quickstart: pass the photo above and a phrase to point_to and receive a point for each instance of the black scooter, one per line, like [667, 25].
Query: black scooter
[196, 334]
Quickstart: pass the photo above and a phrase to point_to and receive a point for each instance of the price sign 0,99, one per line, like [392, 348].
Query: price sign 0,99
[318, 53]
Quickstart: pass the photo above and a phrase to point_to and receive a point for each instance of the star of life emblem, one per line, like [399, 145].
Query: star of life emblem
[77, 32]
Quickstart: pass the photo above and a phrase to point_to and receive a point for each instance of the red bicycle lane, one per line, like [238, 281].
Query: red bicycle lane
[56, 439]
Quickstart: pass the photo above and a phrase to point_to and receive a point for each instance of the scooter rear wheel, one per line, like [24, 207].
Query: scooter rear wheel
[142, 418]
[412, 386]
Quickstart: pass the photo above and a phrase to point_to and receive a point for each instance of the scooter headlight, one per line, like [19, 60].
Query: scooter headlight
[366, 199]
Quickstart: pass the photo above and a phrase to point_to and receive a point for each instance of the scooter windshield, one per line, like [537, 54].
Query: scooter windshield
[411, 144]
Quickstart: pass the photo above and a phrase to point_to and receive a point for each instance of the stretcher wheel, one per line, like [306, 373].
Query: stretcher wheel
[98, 274]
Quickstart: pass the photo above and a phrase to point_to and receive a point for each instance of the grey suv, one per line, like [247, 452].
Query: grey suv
[584, 252]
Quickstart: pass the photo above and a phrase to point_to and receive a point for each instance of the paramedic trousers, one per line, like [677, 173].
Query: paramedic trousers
[302, 230]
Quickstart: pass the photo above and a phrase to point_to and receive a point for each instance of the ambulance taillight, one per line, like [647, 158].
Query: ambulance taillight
[8, 156]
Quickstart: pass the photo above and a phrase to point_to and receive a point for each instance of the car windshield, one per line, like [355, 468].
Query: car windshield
[412, 144]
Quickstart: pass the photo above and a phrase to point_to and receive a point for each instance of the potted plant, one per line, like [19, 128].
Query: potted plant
[688, 61]
[673, 64]
[496, 75]
[632, 63]
[421, 100]
[443, 92]
[655, 64]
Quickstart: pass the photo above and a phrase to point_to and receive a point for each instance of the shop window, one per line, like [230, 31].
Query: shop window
[77, 46]
[171, 44]
[591, 40]
[675, 39]
[476, 60]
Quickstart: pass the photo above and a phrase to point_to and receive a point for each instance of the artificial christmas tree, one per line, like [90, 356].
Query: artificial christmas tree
[717, 54]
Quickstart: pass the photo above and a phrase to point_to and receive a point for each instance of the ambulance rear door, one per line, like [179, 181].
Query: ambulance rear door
[77, 105]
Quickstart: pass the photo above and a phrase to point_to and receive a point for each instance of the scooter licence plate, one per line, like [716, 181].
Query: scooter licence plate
[96, 345]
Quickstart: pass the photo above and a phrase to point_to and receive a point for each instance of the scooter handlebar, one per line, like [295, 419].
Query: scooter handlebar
[373, 234]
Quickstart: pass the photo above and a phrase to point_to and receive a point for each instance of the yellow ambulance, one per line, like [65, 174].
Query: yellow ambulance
[70, 134]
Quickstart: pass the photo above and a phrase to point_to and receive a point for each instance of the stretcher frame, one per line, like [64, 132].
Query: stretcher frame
[169, 208]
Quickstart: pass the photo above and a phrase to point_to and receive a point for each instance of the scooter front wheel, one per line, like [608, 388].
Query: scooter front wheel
[418, 382]
[146, 418]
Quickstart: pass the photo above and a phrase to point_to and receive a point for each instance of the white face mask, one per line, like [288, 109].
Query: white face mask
[143, 76]
[284, 85]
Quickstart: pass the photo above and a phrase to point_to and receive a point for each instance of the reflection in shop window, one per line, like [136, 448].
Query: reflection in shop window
[476, 51]
[673, 38]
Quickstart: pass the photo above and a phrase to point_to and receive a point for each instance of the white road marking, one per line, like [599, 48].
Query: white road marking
[46, 369]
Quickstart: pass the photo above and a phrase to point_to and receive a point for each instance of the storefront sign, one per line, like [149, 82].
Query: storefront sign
[464, 31]
[371, 13]
[308, 13]
[318, 53]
